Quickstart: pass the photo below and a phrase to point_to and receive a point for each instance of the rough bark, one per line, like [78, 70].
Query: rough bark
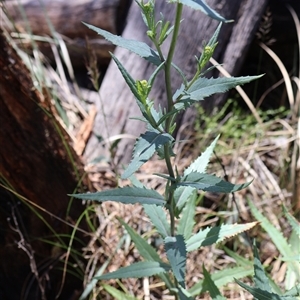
[35, 166]
[65, 18]
[118, 103]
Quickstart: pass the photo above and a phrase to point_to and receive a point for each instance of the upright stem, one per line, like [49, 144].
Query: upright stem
[169, 108]
[169, 62]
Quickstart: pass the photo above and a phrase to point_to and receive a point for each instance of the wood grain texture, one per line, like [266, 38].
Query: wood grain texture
[65, 17]
[35, 164]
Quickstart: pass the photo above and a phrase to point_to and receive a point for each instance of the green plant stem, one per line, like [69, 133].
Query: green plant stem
[169, 63]
[169, 108]
[168, 83]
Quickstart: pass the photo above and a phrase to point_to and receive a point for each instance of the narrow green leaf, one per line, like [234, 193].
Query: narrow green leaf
[201, 5]
[200, 164]
[277, 237]
[155, 73]
[210, 183]
[137, 270]
[208, 51]
[214, 39]
[158, 218]
[240, 260]
[176, 253]
[212, 235]
[293, 222]
[127, 195]
[223, 277]
[136, 183]
[165, 32]
[128, 79]
[205, 87]
[181, 195]
[187, 221]
[261, 281]
[295, 291]
[263, 295]
[184, 294]
[209, 285]
[117, 294]
[145, 148]
[139, 48]
[146, 251]
[184, 79]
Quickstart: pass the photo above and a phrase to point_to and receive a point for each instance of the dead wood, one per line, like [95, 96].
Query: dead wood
[37, 172]
[42, 18]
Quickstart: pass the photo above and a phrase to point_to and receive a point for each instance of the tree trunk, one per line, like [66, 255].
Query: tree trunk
[118, 103]
[38, 168]
[65, 18]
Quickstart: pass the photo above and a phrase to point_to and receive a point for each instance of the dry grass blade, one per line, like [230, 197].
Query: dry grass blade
[240, 91]
[286, 76]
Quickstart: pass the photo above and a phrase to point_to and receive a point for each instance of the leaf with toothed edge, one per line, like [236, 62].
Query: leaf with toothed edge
[200, 164]
[210, 286]
[201, 5]
[137, 270]
[186, 221]
[127, 195]
[205, 87]
[144, 149]
[137, 47]
[158, 218]
[146, 251]
[176, 252]
[213, 235]
[210, 183]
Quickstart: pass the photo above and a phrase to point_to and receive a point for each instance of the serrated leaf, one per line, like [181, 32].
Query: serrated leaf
[209, 285]
[146, 251]
[261, 281]
[137, 47]
[187, 221]
[127, 195]
[200, 164]
[263, 295]
[295, 291]
[158, 218]
[117, 294]
[210, 183]
[202, 6]
[137, 270]
[205, 87]
[145, 148]
[212, 235]
[181, 196]
[223, 277]
[176, 253]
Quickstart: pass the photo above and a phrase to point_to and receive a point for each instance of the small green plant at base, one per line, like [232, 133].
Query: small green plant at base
[181, 189]
[264, 287]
